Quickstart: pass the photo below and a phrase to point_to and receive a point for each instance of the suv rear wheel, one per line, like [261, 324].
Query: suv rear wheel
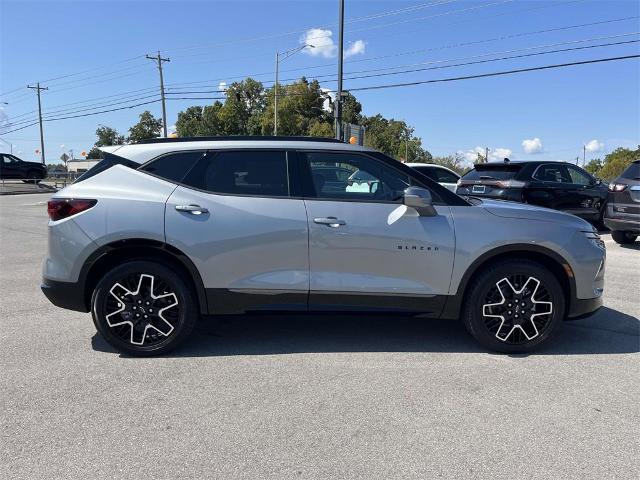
[622, 237]
[514, 306]
[143, 308]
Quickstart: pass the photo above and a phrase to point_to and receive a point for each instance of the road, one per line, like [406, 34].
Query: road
[310, 396]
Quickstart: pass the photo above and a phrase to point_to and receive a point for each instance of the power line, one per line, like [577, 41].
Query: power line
[495, 74]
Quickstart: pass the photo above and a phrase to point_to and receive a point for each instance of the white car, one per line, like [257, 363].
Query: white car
[444, 176]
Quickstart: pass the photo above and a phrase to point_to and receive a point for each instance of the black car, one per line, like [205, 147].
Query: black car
[622, 216]
[11, 167]
[557, 185]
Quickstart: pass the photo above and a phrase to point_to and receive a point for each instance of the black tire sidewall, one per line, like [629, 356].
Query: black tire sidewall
[622, 237]
[179, 285]
[472, 312]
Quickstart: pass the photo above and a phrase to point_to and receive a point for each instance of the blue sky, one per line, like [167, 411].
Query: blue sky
[541, 115]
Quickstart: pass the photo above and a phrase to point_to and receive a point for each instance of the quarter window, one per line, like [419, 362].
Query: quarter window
[579, 177]
[248, 172]
[368, 179]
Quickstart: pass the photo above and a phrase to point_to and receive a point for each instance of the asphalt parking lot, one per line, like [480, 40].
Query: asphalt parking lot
[310, 396]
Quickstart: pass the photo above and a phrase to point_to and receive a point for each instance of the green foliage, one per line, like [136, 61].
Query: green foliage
[594, 166]
[453, 162]
[394, 138]
[147, 127]
[615, 162]
[106, 136]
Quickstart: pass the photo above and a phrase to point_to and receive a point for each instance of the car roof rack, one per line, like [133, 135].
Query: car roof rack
[241, 138]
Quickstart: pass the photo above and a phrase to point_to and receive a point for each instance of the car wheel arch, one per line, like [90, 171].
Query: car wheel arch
[546, 257]
[109, 256]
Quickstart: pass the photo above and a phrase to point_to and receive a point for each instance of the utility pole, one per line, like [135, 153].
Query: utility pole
[38, 88]
[486, 154]
[338, 104]
[158, 59]
[406, 146]
[584, 155]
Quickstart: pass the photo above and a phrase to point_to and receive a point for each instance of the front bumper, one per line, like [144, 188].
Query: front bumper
[624, 225]
[581, 308]
[67, 295]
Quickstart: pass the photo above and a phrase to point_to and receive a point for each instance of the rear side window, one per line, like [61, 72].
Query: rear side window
[106, 163]
[174, 166]
[438, 174]
[242, 172]
[553, 173]
[493, 172]
[632, 172]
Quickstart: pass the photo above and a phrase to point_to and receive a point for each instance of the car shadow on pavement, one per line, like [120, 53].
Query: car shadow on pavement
[607, 332]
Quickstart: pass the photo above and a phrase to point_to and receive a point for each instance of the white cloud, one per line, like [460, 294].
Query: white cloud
[495, 154]
[356, 48]
[222, 86]
[326, 105]
[594, 146]
[62, 146]
[532, 146]
[324, 46]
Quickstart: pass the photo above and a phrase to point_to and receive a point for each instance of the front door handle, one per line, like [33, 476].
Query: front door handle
[192, 209]
[332, 222]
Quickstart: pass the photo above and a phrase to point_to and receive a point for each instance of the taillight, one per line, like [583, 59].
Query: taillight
[511, 184]
[59, 208]
[617, 187]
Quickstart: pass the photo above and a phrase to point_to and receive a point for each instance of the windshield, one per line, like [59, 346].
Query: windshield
[492, 172]
[632, 172]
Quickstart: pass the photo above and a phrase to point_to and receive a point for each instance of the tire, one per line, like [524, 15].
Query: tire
[496, 297]
[33, 177]
[143, 308]
[622, 237]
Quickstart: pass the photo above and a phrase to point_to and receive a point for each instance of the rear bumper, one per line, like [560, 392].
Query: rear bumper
[624, 225]
[581, 308]
[67, 295]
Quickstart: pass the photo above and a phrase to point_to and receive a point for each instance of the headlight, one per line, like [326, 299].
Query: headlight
[595, 239]
[617, 187]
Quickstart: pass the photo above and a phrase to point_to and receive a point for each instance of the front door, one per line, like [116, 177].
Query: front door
[367, 249]
[235, 219]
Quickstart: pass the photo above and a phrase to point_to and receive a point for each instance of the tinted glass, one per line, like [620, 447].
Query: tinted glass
[553, 173]
[173, 167]
[632, 172]
[248, 172]
[369, 178]
[493, 172]
[428, 171]
[578, 176]
[109, 161]
[446, 176]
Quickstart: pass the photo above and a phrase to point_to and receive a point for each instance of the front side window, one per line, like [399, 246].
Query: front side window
[446, 176]
[242, 172]
[578, 177]
[368, 180]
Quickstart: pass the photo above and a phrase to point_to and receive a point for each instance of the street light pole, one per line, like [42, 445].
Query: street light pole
[338, 104]
[279, 58]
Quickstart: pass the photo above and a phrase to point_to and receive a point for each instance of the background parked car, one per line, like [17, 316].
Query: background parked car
[11, 167]
[622, 216]
[444, 176]
[558, 185]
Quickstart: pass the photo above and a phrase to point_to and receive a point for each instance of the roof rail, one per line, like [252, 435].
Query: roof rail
[240, 137]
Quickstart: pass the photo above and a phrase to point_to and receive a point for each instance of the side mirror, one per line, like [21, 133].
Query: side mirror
[420, 199]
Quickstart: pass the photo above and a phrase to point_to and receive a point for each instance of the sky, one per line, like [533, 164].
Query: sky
[91, 57]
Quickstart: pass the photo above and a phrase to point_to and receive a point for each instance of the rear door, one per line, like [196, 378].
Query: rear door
[235, 217]
[10, 167]
[366, 249]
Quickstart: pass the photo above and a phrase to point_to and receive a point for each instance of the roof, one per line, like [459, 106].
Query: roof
[143, 152]
[523, 162]
[84, 160]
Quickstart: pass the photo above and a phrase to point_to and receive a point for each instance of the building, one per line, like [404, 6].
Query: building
[81, 165]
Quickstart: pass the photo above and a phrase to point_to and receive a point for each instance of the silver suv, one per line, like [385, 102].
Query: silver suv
[161, 233]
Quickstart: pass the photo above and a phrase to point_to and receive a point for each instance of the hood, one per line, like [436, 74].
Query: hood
[505, 209]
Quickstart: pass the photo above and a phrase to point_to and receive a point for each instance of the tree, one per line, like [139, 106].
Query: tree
[454, 162]
[394, 138]
[617, 161]
[243, 108]
[594, 166]
[147, 127]
[106, 136]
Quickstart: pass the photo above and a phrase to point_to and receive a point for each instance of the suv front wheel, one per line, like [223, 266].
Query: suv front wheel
[622, 237]
[143, 308]
[514, 306]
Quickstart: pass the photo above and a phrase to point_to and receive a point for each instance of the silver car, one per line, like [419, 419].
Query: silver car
[161, 233]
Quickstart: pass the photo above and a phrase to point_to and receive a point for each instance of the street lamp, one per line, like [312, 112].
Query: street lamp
[279, 58]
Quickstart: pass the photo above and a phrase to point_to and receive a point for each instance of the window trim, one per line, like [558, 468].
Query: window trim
[205, 152]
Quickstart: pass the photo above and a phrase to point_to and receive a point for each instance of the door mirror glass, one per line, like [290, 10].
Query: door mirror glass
[420, 199]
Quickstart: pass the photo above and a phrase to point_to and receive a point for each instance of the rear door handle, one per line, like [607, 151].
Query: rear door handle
[332, 222]
[192, 209]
